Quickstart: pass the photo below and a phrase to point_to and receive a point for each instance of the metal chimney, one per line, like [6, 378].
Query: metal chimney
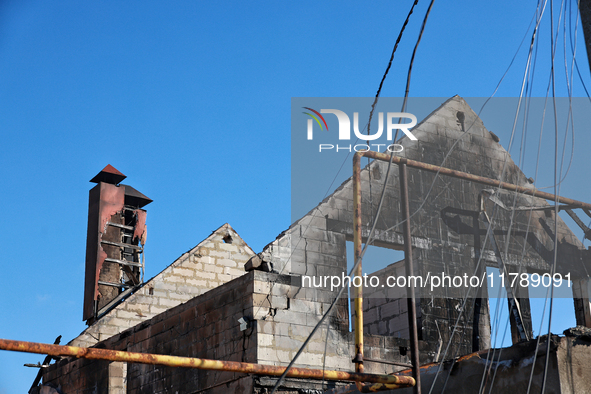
[114, 243]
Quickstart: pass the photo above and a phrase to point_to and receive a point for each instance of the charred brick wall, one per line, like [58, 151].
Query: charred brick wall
[210, 264]
[281, 315]
[206, 327]
[448, 232]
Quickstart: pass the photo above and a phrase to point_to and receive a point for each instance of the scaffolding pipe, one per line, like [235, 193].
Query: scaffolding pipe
[474, 178]
[410, 290]
[358, 290]
[199, 363]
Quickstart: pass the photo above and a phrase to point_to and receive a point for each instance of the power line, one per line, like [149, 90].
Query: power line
[370, 238]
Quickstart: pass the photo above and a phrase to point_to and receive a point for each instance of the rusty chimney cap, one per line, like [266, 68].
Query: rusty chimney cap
[135, 198]
[109, 174]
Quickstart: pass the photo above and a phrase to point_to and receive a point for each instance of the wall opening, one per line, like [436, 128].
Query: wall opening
[563, 312]
[375, 260]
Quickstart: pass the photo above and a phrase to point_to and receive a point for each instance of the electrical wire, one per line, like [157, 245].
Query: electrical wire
[556, 183]
[412, 60]
[368, 126]
[534, 34]
[369, 240]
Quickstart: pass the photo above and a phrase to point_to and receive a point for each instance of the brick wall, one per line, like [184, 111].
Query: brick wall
[208, 265]
[205, 326]
[281, 313]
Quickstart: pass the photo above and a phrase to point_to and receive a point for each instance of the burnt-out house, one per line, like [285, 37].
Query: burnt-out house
[223, 301]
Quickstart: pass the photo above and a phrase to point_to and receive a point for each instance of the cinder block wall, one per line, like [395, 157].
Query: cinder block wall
[206, 326]
[281, 316]
[447, 232]
[211, 263]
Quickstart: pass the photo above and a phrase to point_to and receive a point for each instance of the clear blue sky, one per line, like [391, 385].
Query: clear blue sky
[191, 100]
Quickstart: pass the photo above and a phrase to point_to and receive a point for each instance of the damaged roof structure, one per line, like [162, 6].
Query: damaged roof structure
[222, 301]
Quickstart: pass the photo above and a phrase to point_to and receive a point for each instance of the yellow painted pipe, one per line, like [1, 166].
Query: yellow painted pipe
[199, 363]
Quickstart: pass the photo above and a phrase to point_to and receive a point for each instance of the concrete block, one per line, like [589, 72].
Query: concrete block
[304, 306]
[288, 344]
[281, 329]
[164, 285]
[266, 340]
[212, 284]
[183, 293]
[197, 282]
[261, 287]
[228, 247]
[267, 354]
[168, 302]
[261, 313]
[286, 316]
[110, 330]
[207, 275]
[182, 272]
[234, 272]
[140, 299]
[226, 262]
[175, 279]
[300, 331]
[311, 359]
[213, 253]
[315, 233]
[265, 327]
[253, 263]
[160, 293]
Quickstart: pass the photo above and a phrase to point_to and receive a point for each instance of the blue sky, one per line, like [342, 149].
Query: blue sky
[191, 100]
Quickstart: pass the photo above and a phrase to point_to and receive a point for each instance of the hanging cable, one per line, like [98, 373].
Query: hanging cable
[412, 60]
[369, 241]
[533, 40]
[375, 101]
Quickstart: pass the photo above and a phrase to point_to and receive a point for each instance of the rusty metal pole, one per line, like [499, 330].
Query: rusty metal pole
[529, 190]
[410, 290]
[390, 381]
[358, 291]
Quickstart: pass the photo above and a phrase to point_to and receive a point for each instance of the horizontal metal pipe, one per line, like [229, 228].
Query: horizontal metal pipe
[199, 363]
[121, 245]
[101, 282]
[122, 262]
[121, 226]
[474, 178]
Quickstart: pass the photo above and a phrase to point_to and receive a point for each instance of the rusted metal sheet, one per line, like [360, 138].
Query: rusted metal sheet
[139, 232]
[199, 363]
[105, 201]
[114, 212]
[109, 174]
[111, 206]
[135, 198]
